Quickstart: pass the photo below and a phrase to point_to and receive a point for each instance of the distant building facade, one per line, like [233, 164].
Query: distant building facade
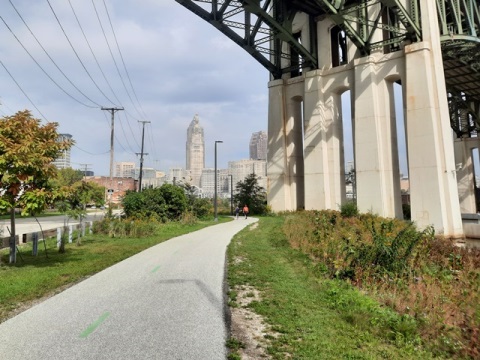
[195, 147]
[242, 168]
[207, 183]
[124, 169]
[258, 146]
[63, 161]
[178, 174]
[116, 188]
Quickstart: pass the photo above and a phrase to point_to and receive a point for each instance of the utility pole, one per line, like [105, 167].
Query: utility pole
[85, 170]
[141, 156]
[112, 111]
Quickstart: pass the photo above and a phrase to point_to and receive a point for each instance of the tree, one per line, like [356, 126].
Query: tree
[74, 200]
[27, 150]
[67, 177]
[167, 202]
[250, 193]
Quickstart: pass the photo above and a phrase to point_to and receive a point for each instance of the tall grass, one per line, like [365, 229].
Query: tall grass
[426, 278]
[308, 315]
[34, 277]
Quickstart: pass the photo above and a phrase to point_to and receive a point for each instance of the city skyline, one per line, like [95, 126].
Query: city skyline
[167, 52]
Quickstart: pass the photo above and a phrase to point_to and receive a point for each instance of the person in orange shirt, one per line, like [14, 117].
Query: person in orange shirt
[245, 210]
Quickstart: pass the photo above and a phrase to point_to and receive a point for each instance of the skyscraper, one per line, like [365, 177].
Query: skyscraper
[258, 146]
[195, 151]
[63, 160]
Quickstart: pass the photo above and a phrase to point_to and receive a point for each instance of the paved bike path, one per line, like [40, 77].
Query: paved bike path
[166, 302]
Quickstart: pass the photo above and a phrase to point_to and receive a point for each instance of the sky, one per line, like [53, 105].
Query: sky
[61, 60]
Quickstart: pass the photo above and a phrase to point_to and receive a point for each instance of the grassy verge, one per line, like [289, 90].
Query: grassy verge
[312, 317]
[35, 277]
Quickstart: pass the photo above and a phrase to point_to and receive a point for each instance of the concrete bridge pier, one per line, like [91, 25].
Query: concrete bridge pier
[376, 151]
[465, 173]
[305, 145]
[285, 148]
[433, 181]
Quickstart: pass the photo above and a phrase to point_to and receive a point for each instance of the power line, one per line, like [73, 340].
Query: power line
[123, 61]
[51, 59]
[24, 93]
[41, 68]
[90, 153]
[113, 57]
[93, 53]
[76, 54]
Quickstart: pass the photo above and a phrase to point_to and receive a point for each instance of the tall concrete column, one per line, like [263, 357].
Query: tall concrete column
[433, 183]
[294, 147]
[377, 173]
[324, 170]
[285, 167]
[278, 189]
[465, 173]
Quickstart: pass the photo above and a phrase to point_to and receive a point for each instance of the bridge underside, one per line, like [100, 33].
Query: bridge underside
[317, 49]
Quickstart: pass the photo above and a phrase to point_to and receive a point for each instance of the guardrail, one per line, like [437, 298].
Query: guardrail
[21, 239]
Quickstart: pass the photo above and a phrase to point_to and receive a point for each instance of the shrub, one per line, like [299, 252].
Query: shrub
[202, 208]
[349, 209]
[125, 227]
[167, 202]
[432, 283]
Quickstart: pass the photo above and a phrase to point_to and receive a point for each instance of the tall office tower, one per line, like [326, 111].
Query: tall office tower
[195, 151]
[125, 169]
[63, 161]
[258, 146]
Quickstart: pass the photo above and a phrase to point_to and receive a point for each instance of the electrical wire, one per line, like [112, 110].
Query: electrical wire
[123, 62]
[76, 54]
[90, 153]
[93, 53]
[51, 59]
[124, 134]
[24, 93]
[113, 57]
[43, 70]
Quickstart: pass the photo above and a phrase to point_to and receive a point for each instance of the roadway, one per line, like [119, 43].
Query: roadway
[167, 302]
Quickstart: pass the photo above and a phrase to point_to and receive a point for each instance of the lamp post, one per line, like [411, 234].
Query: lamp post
[215, 183]
[231, 194]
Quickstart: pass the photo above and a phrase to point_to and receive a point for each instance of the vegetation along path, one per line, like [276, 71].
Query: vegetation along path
[166, 302]
[286, 304]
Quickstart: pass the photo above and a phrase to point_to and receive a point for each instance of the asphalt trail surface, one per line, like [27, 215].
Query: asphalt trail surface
[167, 302]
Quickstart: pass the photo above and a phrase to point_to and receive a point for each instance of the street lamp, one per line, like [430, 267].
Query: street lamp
[231, 194]
[215, 183]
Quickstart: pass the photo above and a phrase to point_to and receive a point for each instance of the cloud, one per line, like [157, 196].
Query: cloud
[178, 64]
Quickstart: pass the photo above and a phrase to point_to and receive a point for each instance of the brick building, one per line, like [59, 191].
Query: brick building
[116, 188]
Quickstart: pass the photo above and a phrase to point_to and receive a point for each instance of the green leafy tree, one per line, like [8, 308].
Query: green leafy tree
[167, 202]
[201, 208]
[175, 199]
[250, 193]
[27, 150]
[67, 177]
[132, 203]
[74, 202]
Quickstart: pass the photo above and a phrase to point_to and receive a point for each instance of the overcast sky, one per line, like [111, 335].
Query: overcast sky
[172, 66]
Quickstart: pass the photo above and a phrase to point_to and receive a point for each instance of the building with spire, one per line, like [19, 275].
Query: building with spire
[195, 151]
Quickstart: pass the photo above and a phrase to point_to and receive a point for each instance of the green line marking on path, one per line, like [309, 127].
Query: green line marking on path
[156, 269]
[93, 326]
